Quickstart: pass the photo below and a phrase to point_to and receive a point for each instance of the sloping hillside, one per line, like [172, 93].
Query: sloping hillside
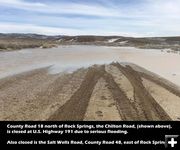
[20, 41]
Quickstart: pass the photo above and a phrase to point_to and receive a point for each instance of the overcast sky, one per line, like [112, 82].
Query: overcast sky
[91, 17]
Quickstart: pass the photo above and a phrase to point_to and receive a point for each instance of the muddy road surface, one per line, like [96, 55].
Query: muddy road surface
[111, 92]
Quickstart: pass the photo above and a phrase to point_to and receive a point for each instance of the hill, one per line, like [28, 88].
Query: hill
[20, 41]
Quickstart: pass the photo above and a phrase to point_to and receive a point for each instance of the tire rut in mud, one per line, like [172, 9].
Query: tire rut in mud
[146, 106]
[78, 88]
[126, 111]
[160, 83]
[75, 108]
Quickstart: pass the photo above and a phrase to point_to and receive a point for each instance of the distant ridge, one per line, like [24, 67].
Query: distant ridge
[13, 41]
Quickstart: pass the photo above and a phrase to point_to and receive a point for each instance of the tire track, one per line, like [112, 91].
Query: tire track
[147, 107]
[46, 95]
[102, 106]
[127, 112]
[75, 108]
[159, 82]
[66, 97]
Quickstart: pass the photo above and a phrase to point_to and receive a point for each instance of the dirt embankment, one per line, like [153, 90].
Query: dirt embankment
[103, 92]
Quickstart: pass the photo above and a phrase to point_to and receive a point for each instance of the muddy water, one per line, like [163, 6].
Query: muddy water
[69, 58]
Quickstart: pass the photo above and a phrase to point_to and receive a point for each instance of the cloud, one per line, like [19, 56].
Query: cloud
[104, 17]
[61, 8]
[21, 4]
[30, 28]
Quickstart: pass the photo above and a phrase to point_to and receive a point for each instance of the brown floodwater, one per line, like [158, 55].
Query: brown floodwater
[70, 58]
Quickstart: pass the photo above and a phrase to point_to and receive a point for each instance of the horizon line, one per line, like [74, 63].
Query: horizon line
[91, 35]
